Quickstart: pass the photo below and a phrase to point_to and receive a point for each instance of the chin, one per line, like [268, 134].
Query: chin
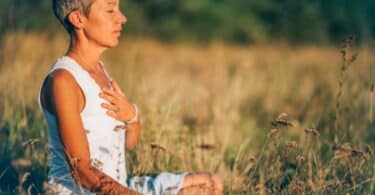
[116, 42]
[112, 44]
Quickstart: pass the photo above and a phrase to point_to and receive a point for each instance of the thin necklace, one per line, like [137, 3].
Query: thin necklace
[78, 54]
[86, 63]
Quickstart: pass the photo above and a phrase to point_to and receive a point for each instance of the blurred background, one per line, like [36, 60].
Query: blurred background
[275, 96]
[240, 21]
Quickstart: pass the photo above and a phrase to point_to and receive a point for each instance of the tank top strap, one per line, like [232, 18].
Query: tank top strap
[81, 76]
[105, 70]
[78, 73]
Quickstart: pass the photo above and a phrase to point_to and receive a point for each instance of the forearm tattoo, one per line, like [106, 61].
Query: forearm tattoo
[107, 185]
[104, 185]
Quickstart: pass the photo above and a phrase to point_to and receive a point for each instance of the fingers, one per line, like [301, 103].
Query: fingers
[117, 88]
[109, 97]
[110, 107]
[115, 91]
[110, 92]
[117, 104]
[112, 110]
[113, 114]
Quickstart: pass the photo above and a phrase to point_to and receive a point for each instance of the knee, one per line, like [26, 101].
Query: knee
[218, 183]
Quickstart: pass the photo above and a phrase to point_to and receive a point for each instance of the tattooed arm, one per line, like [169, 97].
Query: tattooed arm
[62, 96]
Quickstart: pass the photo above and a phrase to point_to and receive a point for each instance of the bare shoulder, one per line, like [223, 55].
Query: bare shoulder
[65, 89]
[62, 77]
[62, 81]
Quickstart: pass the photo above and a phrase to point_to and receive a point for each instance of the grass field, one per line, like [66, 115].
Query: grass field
[269, 119]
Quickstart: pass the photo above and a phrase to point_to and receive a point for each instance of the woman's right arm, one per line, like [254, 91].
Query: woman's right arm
[66, 103]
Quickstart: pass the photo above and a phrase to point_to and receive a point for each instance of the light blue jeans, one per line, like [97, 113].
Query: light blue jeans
[163, 184]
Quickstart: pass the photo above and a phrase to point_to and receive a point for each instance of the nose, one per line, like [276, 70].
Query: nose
[122, 19]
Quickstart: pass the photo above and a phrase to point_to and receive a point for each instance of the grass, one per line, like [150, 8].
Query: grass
[268, 119]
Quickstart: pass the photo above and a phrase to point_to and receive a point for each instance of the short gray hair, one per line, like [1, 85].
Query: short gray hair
[62, 9]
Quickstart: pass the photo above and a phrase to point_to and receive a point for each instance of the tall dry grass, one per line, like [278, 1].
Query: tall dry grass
[211, 108]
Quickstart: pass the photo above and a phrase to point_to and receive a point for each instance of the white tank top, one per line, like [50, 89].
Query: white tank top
[105, 136]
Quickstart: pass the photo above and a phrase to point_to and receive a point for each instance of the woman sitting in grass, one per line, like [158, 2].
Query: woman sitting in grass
[90, 119]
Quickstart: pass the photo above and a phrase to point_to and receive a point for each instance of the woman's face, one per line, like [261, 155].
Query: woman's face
[104, 23]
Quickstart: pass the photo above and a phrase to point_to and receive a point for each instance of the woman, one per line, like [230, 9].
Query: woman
[90, 119]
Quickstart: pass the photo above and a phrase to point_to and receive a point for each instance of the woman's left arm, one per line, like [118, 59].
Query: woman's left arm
[120, 108]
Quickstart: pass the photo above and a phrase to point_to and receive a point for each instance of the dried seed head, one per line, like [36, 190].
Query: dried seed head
[158, 147]
[251, 159]
[207, 146]
[363, 154]
[282, 116]
[300, 159]
[291, 144]
[366, 156]
[346, 147]
[298, 187]
[357, 153]
[282, 122]
[312, 131]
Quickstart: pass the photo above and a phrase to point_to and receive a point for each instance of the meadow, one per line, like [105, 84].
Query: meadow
[269, 119]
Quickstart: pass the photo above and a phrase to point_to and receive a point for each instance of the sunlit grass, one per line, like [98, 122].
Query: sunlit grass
[210, 108]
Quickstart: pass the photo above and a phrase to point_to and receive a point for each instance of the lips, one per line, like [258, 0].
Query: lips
[117, 32]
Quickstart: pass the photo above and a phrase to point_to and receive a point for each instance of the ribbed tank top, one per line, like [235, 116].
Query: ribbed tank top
[105, 137]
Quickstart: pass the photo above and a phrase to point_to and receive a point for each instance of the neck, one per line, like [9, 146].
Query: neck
[85, 53]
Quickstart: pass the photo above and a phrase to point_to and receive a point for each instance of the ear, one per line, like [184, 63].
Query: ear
[76, 18]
